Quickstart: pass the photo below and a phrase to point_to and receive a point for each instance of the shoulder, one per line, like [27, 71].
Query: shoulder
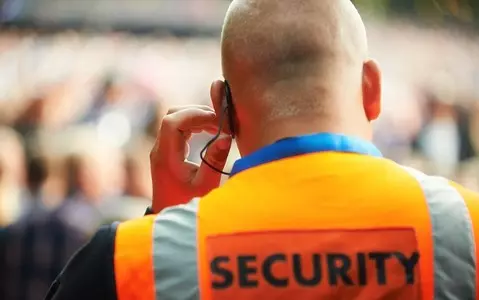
[89, 273]
[159, 253]
[451, 196]
[437, 183]
[172, 227]
[180, 218]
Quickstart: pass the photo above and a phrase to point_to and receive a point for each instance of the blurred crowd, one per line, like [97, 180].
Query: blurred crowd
[79, 112]
[88, 106]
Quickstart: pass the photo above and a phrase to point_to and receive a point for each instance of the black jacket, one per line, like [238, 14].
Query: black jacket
[90, 273]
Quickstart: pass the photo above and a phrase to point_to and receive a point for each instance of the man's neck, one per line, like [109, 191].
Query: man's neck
[275, 131]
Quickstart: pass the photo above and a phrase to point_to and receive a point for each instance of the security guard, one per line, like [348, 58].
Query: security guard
[312, 210]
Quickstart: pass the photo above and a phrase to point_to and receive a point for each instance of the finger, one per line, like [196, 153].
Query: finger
[216, 156]
[188, 119]
[213, 130]
[176, 130]
[176, 109]
[208, 129]
[187, 135]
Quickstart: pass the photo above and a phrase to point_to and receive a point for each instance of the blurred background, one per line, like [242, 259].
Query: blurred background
[83, 84]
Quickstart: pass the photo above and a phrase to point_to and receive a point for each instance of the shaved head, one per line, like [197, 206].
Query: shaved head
[267, 42]
[297, 32]
[287, 59]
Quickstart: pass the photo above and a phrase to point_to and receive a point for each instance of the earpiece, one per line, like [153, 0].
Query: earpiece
[203, 151]
[229, 109]
[227, 113]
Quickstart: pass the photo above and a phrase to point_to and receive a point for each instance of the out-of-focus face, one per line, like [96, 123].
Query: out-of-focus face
[12, 159]
[137, 179]
[34, 112]
[100, 175]
[12, 176]
[89, 178]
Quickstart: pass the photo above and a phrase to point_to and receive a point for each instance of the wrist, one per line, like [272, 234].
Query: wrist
[161, 201]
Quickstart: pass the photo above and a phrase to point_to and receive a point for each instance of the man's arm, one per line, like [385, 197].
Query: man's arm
[90, 273]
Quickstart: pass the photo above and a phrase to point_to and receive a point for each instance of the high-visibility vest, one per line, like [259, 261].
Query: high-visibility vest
[312, 217]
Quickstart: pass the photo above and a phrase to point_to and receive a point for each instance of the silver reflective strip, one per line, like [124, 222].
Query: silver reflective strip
[174, 253]
[453, 239]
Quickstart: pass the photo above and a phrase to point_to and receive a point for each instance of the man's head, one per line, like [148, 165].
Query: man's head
[297, 67]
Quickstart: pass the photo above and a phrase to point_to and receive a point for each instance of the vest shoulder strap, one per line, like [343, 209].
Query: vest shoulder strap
[472, 202]
[133, 259]
[156, 257]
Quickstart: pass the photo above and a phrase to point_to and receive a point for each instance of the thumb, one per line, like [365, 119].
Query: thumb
[216, 155]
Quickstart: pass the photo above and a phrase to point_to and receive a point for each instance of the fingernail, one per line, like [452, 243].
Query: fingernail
[224, 143]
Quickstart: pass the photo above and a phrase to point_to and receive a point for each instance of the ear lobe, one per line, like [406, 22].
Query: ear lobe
[372, 89]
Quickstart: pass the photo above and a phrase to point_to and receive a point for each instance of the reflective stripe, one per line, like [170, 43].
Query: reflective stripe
[134, 260]
[174, 252]
[472, 201]
[453, 239]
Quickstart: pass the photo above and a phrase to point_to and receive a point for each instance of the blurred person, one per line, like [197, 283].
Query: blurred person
[34, 248]
[137, 170]
[136, 183]
[311, 210]
[86, 171]
[399, 123]
[152, 128]
[121, 110]
[32, 115]
[85, 193]
[465, 120]
[84, 181]
[55, 186]
[136, 187]
[445, 138]
[107, 93]
[12, 166]
[10, 111]
[474, 125]
[31, 119]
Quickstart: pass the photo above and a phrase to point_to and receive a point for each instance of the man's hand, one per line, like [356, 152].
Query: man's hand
[176, 180]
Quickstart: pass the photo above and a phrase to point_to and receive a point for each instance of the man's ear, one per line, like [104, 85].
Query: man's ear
[372, 89]
[217, 94]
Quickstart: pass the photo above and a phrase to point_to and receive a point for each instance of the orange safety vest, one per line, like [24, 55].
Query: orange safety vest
[312, 217]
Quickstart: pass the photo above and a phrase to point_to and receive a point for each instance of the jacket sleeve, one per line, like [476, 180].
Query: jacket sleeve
[90, 272]
[3, 275]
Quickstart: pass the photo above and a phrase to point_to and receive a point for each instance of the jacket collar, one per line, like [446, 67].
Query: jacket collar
[306, 144]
